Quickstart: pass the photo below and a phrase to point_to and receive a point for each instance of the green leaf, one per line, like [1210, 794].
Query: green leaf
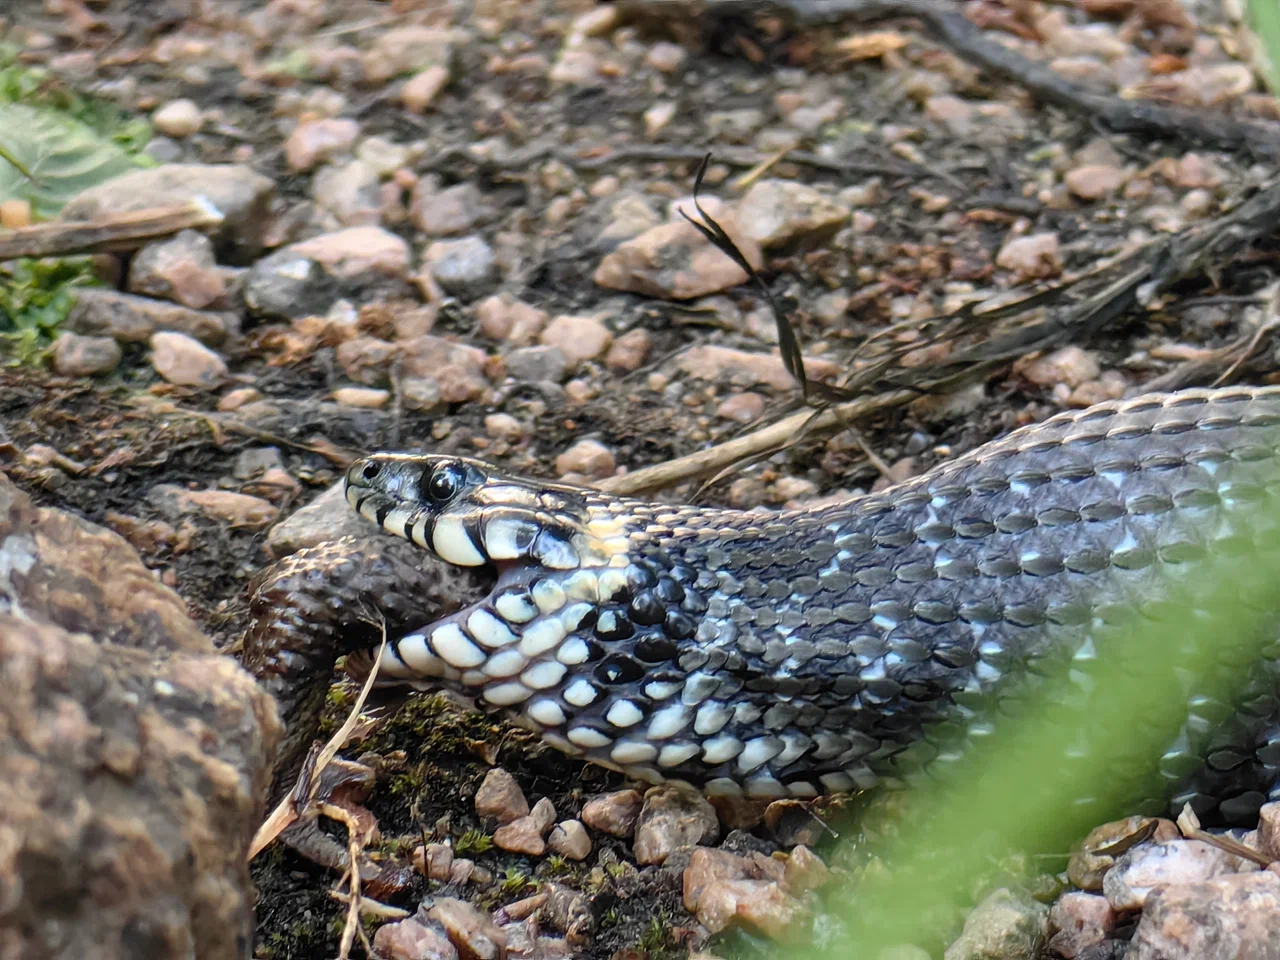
[47, 158]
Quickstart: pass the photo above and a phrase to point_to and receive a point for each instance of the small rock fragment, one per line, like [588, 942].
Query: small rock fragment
[728, 365]
[569, 838]
[1151, 865]
[503, 317]
[675, 262]
[589, 458]
[1004, 925]
[368, 398]
[1070, 365]
[671, 817]
[1086, 868]
[522, 835]
[1078, 921]
[439, 213]
[350, 191]
[460, 266]
[500, 797]
[543, 814]
[579, 338]
[537, 364]
[312, 142]
[78, 356]
[185, 361]
[178, 118]
[629, 351]
[1095, 181]
[613, 813]
[421, 90]
[412, 939]
[472, 932]
[775, 213]
[181, 268]
[1034, 257]
[434, 861]
[805, 871]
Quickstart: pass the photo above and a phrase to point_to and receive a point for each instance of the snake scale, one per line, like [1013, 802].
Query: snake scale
[830, 649]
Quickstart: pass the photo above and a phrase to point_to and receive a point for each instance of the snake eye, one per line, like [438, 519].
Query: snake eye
[444, 483]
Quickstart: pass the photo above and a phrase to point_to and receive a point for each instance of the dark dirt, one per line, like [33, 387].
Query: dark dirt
[131, 432]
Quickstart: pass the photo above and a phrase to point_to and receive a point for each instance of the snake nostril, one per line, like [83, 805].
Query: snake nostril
[371, 471]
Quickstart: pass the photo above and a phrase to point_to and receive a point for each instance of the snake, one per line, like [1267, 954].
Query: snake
[826, 650]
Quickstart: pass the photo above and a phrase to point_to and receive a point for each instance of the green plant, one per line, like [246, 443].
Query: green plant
[35, 297]
[473, 841]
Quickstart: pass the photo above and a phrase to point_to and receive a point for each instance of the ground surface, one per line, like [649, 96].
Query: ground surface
[972, 163]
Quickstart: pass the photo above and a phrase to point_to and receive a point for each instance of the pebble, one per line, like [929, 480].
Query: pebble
[404, 50]
[1086, 868]
[237, 398]
[438, 212]
[500, 797]
[182, 268]
[708, 866]
[666, 57]
[503, 426]
[741, 407]
[579, 338]
[1095, 181]
[629, 351]
[434, 861]
[472, 932]
[457, 369]
[804, 871]
[366, 359]
[728, 365]
[1069, 365]
[312, 142]
[588, 458]
[178, 118]
[462, 265]
[759, 903]
[413, 939]
[78, 356]
[367, 398]
[537, 364]
[237, 510]
[1149, 866]
[776, 213]
[1078, 921]
[658, 116]
[359, 264]
[129, 318]
[185, 361]
[503, 317]
[952, 112]
[673, 261]
[1004, 926]
[1033, 257]
[350, 191]
[522, 835]
[569, 839]
[671, 817]
[575, 68]
[421, 90]
[613, 813]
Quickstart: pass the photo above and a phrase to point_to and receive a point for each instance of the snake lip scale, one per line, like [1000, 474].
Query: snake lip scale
[834, 648]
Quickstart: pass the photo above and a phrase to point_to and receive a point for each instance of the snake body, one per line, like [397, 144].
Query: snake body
[833, 648]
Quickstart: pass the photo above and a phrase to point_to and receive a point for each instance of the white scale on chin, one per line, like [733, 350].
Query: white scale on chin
[450, 540]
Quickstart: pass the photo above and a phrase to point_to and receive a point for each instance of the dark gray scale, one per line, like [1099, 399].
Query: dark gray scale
[884, 616]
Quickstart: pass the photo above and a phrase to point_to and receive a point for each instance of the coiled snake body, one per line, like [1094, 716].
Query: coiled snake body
[829, 649]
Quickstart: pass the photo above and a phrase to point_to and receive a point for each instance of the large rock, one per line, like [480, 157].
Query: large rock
[243, 195]
[134, 759]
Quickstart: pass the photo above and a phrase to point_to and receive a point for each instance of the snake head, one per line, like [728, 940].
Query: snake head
[470, 515]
